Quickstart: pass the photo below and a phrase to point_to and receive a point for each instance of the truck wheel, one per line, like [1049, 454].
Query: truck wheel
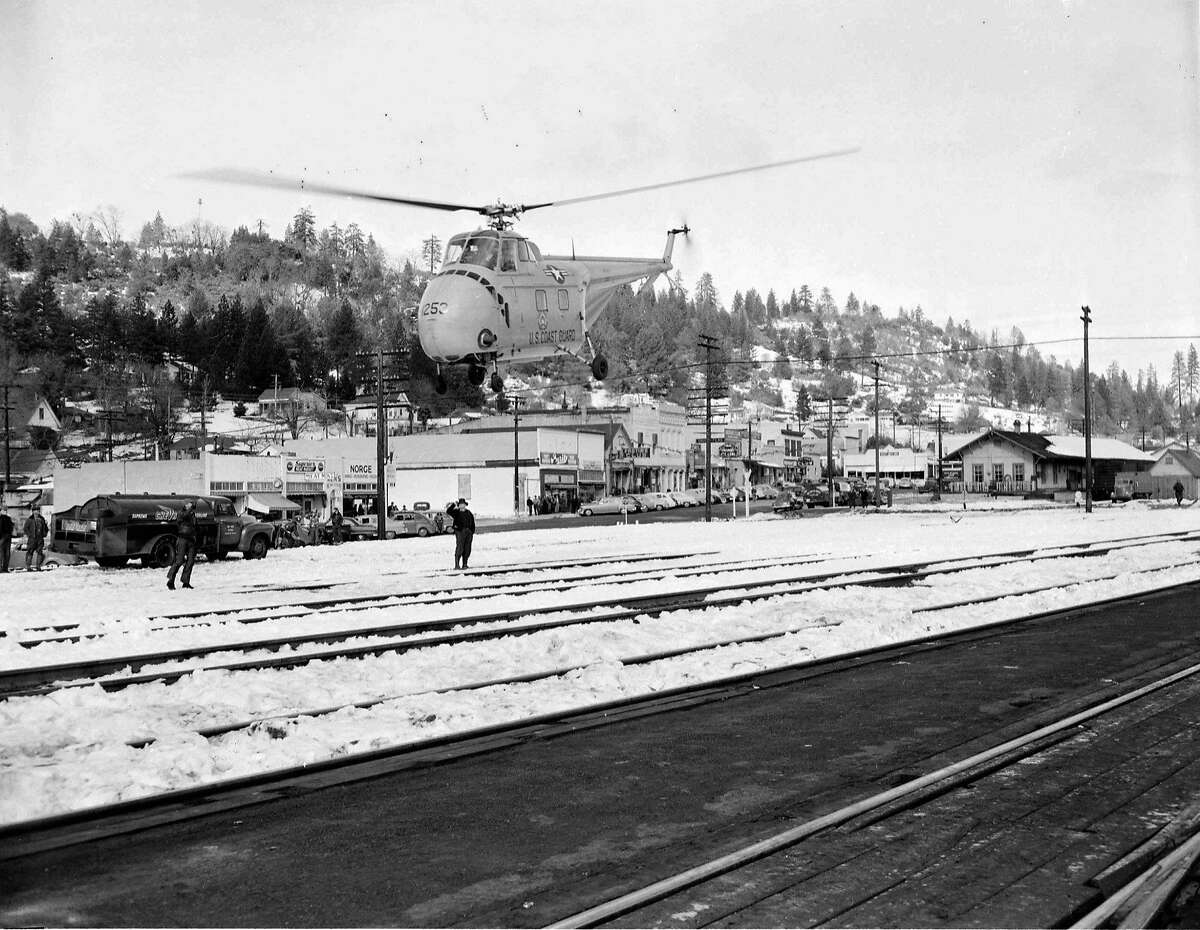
[163, 553]
[112, 561]
[389, 535]
[258, 547]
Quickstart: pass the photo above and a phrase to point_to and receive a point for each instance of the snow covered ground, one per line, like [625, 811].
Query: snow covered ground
[81, 747]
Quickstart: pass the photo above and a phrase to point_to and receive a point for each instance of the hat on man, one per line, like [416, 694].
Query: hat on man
[463, 501]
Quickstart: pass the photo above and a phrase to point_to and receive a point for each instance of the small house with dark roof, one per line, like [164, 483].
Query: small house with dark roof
[1010, 462]
[28, 412]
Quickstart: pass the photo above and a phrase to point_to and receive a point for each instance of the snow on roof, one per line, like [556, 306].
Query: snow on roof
[1102, 448]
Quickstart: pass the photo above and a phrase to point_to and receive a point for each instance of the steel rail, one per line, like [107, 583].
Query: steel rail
[662, 888]
[32, 680]
[121, 817]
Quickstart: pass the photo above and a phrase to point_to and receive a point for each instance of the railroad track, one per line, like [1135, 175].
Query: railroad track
[738, 886]
[282, 721]
[492, 624]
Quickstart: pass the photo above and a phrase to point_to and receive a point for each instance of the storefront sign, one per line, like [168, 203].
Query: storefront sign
[315, 467]
[359, 471]
[559, 458]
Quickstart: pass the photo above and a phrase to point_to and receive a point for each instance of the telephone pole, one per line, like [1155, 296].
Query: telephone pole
[829, 453]
[708, 344]
[937, 494]
[875, 362]
[7, 435]
[1087, 415]
[382, 381]
[516, 405]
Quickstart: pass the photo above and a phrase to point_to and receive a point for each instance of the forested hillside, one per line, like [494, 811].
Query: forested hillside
[86, 311]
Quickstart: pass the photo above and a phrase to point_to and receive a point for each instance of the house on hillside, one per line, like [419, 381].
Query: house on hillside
[281, 403]
[363, 414]
[1009, 462]
[30, 417]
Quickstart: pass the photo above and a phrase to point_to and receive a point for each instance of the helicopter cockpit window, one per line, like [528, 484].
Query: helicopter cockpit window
[522, 250]
[480, 250]
[454, 251]
[508, 255]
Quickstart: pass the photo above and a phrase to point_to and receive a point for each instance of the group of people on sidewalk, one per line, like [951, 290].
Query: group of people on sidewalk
[35, 530]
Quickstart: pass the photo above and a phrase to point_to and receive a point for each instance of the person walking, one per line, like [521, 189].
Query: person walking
[1177, 487]
[335, 521]
[529, 505]
[6, 535]
[35, 540]
[185, 546]
[464, 532]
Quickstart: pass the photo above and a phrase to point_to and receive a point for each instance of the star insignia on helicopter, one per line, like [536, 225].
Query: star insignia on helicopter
[556, 273]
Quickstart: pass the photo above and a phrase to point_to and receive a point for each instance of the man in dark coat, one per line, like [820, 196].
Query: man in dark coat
[1178, 489]
[35, 540]
[6, 535]
[185, 546]
[335, 522]
[464, 532]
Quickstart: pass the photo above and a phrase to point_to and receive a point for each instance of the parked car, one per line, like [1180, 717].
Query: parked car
[50, 559]
[409, 523]
[612, 503]
[764, 491]
[788, 501]
[655, 500]
[905, 483]
[352, 530]
[684, 498]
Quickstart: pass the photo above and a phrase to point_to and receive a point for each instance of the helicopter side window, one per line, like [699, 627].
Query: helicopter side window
[539, 298]
[564, 301]
[454, 252]
[508, 255]
[522, 250]
[480, 251]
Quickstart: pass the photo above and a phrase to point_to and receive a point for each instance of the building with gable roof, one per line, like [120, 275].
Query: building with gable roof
[1010, 462]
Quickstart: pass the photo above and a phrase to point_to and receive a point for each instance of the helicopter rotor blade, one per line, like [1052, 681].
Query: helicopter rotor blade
[703, 177]
[265, 179]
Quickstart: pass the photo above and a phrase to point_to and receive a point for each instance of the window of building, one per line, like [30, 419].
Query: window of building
[1019, 472]
[564, 300]
[998, 472]
[977, 473]
[539, 298]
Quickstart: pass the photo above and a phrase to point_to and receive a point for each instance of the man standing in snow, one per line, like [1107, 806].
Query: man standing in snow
[1178, 489]
[464, 532]
[6, 533]
[185, 546]
[35, 539]
[335, 521]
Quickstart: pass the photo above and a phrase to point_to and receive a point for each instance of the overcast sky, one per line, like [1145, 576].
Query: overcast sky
[1018, 159]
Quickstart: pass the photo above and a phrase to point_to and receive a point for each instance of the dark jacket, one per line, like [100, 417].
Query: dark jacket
[464, 520]
[35, 528]
[185, 526]
[6, 526]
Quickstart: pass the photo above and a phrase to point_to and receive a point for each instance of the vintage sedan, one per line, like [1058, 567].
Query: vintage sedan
[656, 500]
[411, 523]
[613, 503]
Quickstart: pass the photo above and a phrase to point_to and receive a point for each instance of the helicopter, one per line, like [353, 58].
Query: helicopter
[496, 298]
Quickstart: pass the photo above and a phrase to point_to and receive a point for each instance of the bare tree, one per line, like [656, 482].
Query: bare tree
[108, 219]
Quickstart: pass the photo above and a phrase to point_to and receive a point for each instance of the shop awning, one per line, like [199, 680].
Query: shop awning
[265, 503]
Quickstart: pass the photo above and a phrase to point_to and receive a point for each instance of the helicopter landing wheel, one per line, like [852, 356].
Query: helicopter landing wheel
[476, 374]
[440, 385]
[599, 368]
[497, 383]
